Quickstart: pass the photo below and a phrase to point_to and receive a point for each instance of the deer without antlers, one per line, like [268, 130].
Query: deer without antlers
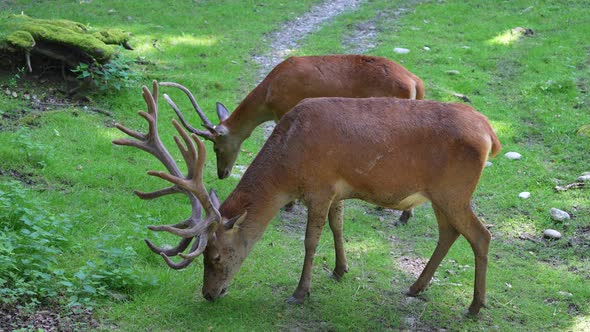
[397, 153]
[297, 78]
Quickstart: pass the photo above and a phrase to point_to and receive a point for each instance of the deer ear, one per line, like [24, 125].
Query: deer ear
[214, 198]
[222, 112]
[235, 221]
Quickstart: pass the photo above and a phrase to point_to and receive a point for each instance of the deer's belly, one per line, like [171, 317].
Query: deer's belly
[410, 202]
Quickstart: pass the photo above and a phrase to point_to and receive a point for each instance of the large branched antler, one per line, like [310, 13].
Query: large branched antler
[206, 122]
[191, 184]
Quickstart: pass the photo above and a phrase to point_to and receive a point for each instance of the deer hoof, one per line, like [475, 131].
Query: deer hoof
[337, 274]
[294, 300]
[474, 309]
[413, 292]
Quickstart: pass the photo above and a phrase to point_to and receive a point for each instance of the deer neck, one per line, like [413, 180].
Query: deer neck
[261, 203]
[251, 112]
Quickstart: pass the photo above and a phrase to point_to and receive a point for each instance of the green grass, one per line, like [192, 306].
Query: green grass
[533, 90]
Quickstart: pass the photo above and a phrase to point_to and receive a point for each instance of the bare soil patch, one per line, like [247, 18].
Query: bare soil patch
[46, 318]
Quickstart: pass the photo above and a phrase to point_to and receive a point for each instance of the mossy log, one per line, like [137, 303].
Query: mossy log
[67, 41]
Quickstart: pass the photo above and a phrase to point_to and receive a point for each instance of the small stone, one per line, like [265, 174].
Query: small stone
[465, 47]
[584, 178]
[513, 155]
[426, 48]
[552, 234]
[14, 94]
[410, 321]
[453, 72]
[524, 195]
[565, 294]
[559, 215]
[401, 50]
[489, 164]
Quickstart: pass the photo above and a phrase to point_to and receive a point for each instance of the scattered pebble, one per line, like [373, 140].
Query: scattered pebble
[465, 47]
[552, 234]
[559, 215]
[238, 171]
[565, 294]
[401, 50]
[489, 164]
[426, 48]
[410, 321]
[585, 177]
[453, 72]
[524, 195]
[14, 94]
[513, 155]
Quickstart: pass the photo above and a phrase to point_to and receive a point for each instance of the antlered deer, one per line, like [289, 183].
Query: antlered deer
[392, 152]
[297, 78]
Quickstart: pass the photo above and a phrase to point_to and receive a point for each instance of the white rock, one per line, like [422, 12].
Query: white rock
[401, 50]
[552, 234]
[489, 164]
[565, 294]
[426, 48]
[584, 178]
[513, 155]
[453, 72]
[524, 194]
[559, 215]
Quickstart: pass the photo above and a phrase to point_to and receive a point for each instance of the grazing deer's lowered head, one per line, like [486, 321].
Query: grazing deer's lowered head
[392, 152]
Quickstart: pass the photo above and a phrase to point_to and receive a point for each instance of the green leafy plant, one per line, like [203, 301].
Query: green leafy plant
[114, 74]
[31, 241]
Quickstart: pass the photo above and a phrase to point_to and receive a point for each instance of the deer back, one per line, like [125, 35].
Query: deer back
[389, 146]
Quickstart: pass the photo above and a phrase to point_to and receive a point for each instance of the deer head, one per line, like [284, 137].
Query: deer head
[217, 238]
[225, 145]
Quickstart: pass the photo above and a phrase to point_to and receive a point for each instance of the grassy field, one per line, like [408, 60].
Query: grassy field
[533, 88]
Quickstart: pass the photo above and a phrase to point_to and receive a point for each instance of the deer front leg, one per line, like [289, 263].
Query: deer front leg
[316, 219]
[336, 220]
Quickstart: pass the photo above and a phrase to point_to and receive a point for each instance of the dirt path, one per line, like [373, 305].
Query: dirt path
[361, 38]
[283, 41]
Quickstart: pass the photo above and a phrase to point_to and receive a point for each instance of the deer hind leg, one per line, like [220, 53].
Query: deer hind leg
[459, 219]
[316, 219]
[336, 219]
[447, 235]
[479, 238]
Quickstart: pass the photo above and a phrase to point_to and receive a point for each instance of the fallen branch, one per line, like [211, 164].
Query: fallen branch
[575, 185]
[530, 238]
